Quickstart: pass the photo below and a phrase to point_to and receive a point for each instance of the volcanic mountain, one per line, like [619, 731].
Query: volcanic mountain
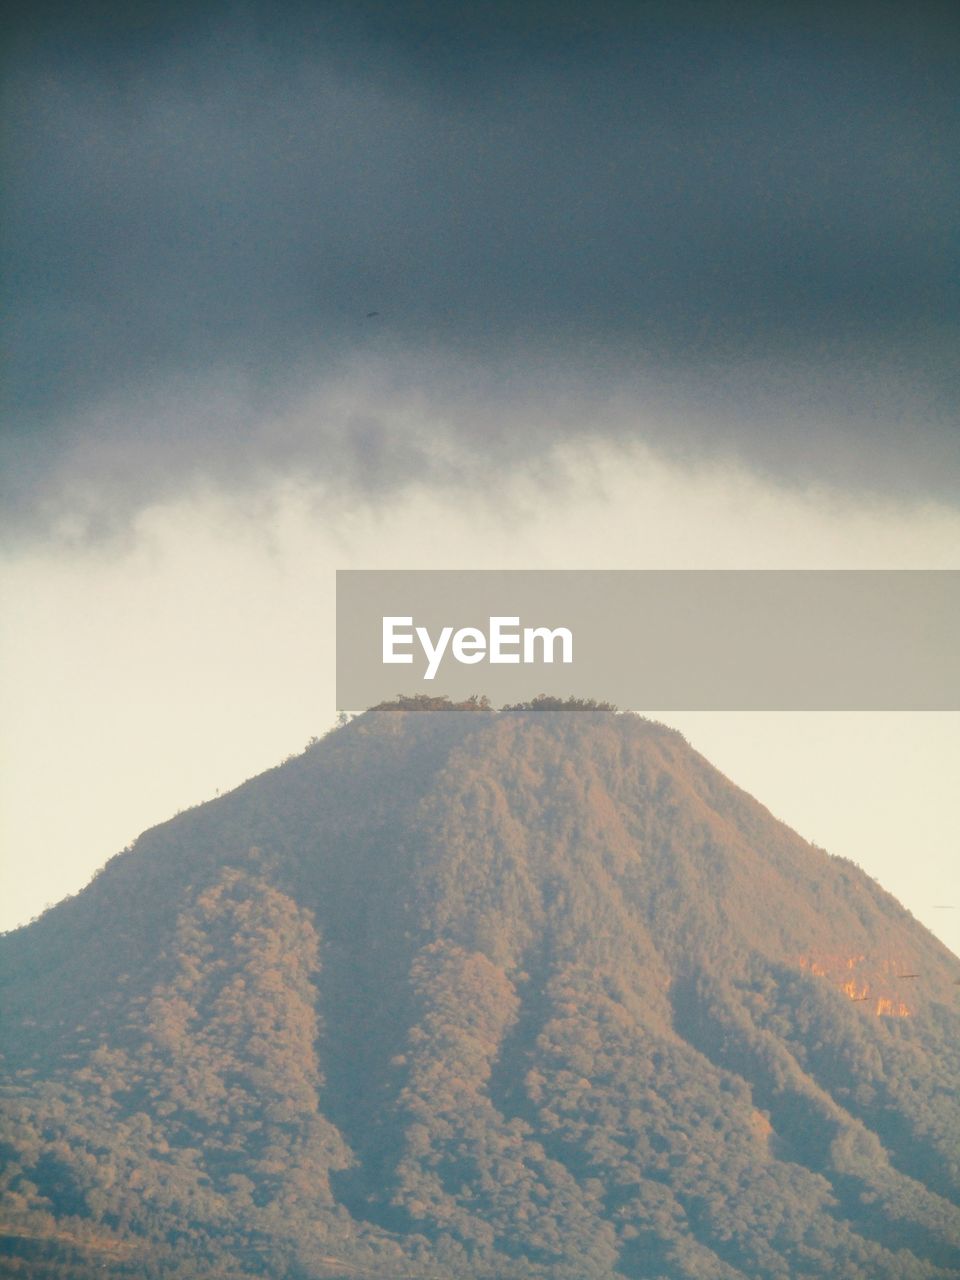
[477, 995]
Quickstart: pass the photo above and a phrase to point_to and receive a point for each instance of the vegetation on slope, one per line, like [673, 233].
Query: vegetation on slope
[481, 995]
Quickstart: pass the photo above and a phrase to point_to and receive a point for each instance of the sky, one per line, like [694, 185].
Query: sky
[300, 287]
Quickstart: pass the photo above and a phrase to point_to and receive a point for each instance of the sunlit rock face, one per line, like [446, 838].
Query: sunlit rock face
[881, 980]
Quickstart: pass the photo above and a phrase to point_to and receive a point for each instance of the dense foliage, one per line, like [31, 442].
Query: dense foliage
[481, 995]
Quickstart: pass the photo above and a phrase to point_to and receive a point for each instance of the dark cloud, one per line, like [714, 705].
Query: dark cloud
[744, 229]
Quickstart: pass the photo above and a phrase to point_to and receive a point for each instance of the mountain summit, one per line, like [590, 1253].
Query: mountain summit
[476, 995]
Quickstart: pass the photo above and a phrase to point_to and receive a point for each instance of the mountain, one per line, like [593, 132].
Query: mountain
[476, 995]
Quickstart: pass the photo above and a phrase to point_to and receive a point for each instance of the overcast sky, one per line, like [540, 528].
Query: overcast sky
[294, 287]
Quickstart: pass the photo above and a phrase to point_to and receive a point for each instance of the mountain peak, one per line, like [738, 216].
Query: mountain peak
[535, 992]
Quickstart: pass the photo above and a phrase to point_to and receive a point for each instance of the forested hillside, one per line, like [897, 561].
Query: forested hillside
[468, 995]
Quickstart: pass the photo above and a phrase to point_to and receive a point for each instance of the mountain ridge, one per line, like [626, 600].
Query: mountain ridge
[525, 993]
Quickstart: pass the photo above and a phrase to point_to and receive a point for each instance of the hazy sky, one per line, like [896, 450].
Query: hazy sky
[655, 286]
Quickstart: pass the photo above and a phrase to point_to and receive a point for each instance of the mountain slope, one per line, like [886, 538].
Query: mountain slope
[484, 994]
